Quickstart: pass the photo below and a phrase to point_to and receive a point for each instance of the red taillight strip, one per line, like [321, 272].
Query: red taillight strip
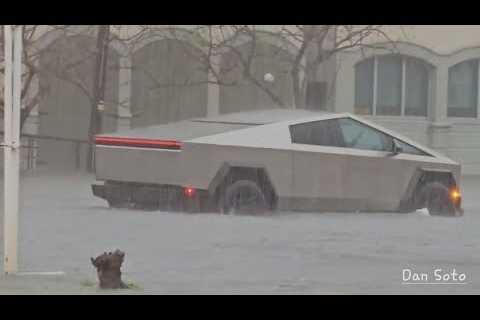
[139, 143]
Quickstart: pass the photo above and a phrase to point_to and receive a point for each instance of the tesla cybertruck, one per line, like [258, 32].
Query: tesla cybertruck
[274, 160]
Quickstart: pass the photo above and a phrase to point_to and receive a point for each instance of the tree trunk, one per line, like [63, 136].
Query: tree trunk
[23, 118]
[98, 91]
[298, 94]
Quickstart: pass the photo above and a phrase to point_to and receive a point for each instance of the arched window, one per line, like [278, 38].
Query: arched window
[389, 85]
[364, 87]
[168, 83]
[417, 87]
[463, 89]
[392, 85]
[244, 94]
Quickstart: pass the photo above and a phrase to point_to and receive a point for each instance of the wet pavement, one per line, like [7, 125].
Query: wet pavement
[62, 225]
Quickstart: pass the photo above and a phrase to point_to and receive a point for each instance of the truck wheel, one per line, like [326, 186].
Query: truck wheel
[437, 200]
[116, 194]
[244, 197]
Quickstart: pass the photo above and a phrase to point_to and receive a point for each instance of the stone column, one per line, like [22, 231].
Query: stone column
[303, 80]
[438, 109]
[439, 130]
[344, 93]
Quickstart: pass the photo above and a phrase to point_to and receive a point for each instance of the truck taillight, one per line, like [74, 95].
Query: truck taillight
[455, 194]
[138, 143]
[189, 192]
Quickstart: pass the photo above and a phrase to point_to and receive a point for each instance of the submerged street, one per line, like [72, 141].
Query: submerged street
[62, 225]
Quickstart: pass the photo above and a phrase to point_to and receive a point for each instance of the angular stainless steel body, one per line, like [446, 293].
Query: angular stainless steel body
[305, 177]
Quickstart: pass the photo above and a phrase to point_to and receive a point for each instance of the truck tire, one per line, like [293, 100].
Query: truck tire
[115, 204]
[244, 197]
[437, 200]
[117, 195]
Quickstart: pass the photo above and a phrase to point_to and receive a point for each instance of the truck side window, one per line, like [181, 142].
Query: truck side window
[320, 133]
[406, 148]
[359, 136]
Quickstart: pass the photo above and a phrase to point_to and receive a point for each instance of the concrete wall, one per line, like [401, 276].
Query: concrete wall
[442, 39]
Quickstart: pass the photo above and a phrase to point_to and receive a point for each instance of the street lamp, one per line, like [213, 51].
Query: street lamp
[268, 77]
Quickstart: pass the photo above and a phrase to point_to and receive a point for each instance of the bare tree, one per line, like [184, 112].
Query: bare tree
[65, 69]
[319, 42]
[30, 71]
[67, 62]
[308, 47]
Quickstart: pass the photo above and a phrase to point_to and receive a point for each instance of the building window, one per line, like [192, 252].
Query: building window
[347, 133]
[364, 87]
[319, 133]
[389, 86]
[356, 135]
[392, 85]
[463, 89]
[416, 88]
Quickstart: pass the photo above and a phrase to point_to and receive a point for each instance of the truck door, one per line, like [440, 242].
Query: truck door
[374, 179]
[318, 166]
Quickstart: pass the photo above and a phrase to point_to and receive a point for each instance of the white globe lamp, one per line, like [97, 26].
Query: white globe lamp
[268, 77]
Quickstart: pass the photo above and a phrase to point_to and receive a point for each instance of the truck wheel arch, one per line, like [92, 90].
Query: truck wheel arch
[231, 172]
[421, 177]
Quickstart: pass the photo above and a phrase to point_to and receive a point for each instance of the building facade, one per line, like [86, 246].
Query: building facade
[424, 84]
[157, 79]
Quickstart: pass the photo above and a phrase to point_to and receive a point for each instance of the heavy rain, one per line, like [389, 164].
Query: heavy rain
[239, 159]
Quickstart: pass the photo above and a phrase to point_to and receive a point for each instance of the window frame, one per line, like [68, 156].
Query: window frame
[477, 105]
[376, 74]
[403, 89]
[375, 130]
[311, 123]
[390, 136]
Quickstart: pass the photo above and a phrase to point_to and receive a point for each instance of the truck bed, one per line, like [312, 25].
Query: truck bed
[150, 154]
[180, 131]
[155, 154]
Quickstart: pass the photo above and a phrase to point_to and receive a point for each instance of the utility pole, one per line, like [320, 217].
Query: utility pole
[99, 81]
[11, 144]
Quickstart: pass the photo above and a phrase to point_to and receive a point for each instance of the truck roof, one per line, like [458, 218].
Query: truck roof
[200, 127]
[260, 117]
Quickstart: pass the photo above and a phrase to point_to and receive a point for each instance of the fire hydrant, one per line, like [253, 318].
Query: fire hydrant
[108, 269]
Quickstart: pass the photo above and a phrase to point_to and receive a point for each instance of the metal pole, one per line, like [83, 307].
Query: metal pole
[12, 87]
[98, 92]
[10, 216]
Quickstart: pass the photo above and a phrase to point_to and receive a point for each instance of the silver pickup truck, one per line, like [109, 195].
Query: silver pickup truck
[263, 161]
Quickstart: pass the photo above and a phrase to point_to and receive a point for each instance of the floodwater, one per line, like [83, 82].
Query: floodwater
[62, 225]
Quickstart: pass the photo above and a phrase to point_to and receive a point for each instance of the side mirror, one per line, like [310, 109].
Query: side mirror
[395, 148]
